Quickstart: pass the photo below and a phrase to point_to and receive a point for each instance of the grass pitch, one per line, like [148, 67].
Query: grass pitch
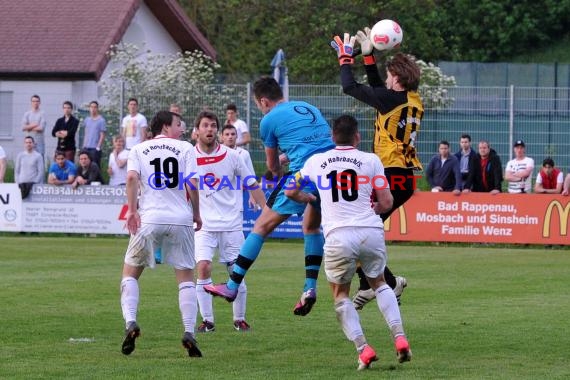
[470, 313]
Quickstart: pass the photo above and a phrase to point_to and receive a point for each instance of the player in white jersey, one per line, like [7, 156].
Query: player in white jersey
[229, 139]
[164, 170]
[223, 174]
[346, 178]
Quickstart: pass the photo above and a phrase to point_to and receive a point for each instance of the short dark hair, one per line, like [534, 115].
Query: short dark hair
[345, 128]
[94, 102]
[84, 151]
[444, 142]
[31, 138]
[548, 161]
[206, 115]
[59, 153]
[35, 96]
[68, 103]
[160, 119]
[231, 107]
[267, 87]
[406, 69]
[466, 136]
[229, 126]
[133, 100]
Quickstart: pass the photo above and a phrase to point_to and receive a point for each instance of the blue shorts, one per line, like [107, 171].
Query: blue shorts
[283, 205]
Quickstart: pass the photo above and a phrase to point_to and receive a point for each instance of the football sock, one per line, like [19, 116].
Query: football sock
[188, 304]
[129, 299]
[205, 304]
[388, 305]
[240, 302]
[349, 320]
[248, 253]
[313, 258]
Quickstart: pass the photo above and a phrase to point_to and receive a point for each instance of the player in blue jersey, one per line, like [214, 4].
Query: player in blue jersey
[298, 130]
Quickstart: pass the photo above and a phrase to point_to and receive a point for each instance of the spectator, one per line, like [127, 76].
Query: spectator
[87, 172]
[65, 129]
[34, 123]
[118, 162]
[549, 179]
[465, 156]
[29, 167]
[134, 125]
[566, 189]
[243, 136]
[486, 175]
[3, 164]
[443, 171]
[94, 136]
[62, 171]
[518, 172]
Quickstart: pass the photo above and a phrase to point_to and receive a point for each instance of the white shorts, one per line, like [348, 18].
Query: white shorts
[345, 246]
[176, 244]
[228, 244]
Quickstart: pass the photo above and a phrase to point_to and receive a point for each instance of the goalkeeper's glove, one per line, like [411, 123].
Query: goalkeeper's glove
[363, 38]
[344, 49]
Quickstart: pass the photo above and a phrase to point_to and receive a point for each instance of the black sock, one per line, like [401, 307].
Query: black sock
[389, 277]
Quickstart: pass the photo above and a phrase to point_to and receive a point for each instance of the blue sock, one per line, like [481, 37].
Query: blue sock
[313, 258]
[248, 253]
[158, 255]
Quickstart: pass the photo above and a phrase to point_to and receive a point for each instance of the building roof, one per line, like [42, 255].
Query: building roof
[69, 38]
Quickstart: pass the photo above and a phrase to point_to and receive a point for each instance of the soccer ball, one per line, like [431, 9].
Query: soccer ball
[386, 35]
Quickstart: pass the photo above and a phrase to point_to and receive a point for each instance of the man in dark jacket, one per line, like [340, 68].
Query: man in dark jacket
[442, 172]
[65, 129]
[465, 156]
[487, 173]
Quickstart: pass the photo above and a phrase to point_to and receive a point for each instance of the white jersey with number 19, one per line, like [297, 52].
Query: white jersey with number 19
[344, 177]
[164, 166]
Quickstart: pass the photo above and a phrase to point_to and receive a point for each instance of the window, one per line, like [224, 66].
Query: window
[6, 113]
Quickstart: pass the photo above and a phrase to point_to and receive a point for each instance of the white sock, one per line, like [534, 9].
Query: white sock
[348, 317]
[240, 303]
[129, 299]
[188, 305]
[388, 305]
[205, 304]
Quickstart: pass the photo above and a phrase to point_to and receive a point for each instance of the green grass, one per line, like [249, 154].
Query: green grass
[470, 313]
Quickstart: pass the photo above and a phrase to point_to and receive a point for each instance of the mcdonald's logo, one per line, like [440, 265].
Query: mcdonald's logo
[403, 221]
[563, 214]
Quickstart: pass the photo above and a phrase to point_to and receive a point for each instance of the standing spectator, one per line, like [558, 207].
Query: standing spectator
[442, 172]
[29, 167]
[65, 129]
[465, 156]
[518, 172]
[34, 123]
[222, 227]
[94, 136]
[162, 217]
[87, 171]
[3, 164]
[549, 179]
[62, 171]
[117, 169]
[243, 136]
[486, 175]
[566, 189]
[353, 233]
[134, 125]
